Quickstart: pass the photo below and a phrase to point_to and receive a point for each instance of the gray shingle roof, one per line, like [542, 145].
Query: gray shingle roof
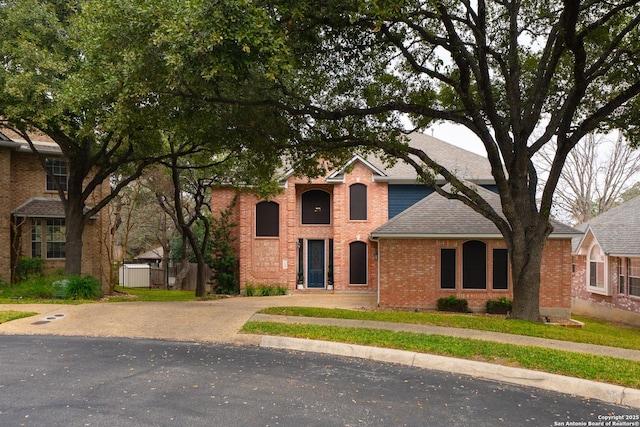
[437, 216]
[465, 164]
[618, 229]
[40, 207]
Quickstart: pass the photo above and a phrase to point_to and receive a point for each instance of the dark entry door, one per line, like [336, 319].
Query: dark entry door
[315, 255]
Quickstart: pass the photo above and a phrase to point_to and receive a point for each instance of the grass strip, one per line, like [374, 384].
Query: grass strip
[597, 368]
[9, 315]
[595, 331]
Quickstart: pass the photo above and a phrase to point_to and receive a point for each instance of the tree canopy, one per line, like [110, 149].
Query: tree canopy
[519, 74]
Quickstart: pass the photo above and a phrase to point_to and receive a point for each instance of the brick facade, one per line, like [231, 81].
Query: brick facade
[409, 268]
[410, 275]
[617, 306]
[23, 179]
[275, 260]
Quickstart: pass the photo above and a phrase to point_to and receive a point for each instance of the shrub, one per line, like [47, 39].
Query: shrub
[29, 267]
[264, 290]
[498, 306]
[77, 287]
[451, 303]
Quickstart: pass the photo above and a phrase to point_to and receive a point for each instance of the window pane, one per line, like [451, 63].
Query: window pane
[56, 237]
[358, 202]
[58, 168]
[474, 265]
[36, 238]
[447, 268]
[358, 263]
[316, 207]
[634, 277]
[267, 219]
[500, 269]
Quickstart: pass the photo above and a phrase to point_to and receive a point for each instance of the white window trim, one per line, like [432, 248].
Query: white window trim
[606, 289]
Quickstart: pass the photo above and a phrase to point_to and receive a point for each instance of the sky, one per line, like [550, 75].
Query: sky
[457, 135]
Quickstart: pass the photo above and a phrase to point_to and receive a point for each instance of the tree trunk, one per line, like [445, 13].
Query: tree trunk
[526, 263]
[74, 223]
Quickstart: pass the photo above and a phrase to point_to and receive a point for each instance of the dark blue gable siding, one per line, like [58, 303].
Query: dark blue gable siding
[401, 196]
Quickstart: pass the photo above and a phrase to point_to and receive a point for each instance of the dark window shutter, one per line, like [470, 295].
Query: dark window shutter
[474, 265]
[500, 269]
[358, 263]
[316, 207]
[447, 268]
[267, 219]
[358, 202]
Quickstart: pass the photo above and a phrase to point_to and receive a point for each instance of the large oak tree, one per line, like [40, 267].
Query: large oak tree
[521, 75]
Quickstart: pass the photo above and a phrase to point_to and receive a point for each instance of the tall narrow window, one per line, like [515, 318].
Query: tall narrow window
[634, 276]
[57, 168]
[474, 265]
[358, 263]
[56, 237]
[621, 276]
[358, 202]
[316, 207]
[267, 219]
[36, 238]
[596, 267]
[500, 269]
[447, 268]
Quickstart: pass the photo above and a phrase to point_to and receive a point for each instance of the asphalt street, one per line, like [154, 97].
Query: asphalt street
[79, 381]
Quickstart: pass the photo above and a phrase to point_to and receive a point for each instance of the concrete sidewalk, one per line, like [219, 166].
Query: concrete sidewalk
[220, 321]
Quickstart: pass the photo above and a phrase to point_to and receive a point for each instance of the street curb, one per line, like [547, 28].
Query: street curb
[588, 389]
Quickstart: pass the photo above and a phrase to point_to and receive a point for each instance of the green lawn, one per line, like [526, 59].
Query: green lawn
[6, 316]
[598, 368]
[598, 332]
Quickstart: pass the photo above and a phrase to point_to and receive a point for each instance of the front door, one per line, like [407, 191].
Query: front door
[315, 259]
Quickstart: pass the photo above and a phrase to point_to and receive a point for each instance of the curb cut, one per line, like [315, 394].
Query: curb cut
[588, 389]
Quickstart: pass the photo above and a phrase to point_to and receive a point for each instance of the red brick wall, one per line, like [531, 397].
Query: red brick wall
[266, 260]
[410, 275]
[615, 300]
[5, 215]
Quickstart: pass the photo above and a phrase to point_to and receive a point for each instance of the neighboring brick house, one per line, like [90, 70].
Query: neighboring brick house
[32, 219]
[440, 247]
[606, 265]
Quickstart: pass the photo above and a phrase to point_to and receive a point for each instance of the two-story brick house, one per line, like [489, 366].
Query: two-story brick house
[32, 219]
[317, 234]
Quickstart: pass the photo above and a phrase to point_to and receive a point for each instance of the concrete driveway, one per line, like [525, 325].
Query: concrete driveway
[196, 321]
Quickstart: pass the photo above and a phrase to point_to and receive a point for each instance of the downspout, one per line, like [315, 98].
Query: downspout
[377, 240]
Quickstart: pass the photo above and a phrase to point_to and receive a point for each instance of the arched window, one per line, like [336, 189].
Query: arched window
[474, 265]
[316, 207]
[358, 202]
[267, 219]
[596, 267]
[358, 263]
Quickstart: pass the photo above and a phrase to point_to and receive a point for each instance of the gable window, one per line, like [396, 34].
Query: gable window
[57, 168]
[596, 267]
[500, 269]
[267, 219]
[316, 207]
[633, 267]
[358, 202]
[447, 268]
[358, 263]
[474, 265]
[48, 237]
